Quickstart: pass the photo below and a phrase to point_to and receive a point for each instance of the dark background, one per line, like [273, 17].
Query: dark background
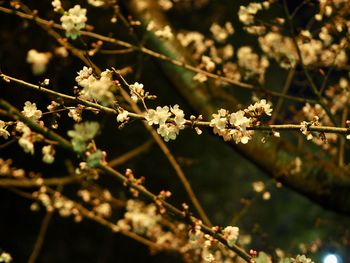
[219, 176]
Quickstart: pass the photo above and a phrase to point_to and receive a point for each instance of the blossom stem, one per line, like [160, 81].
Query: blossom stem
[189, 123]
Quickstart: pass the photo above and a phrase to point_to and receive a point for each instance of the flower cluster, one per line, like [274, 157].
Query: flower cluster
[82, 134]
[31, 112]
[38, 60]
[3, 132]
[98, 199]
[251, 63]
[6, 169]
[139, 217]
[96, 89]
[5, 257]
[221, 33]
[28, 137]
[170, 121]
[246, 13]
[164, 33]
[57, 5]
[56, 201]
[136, 91]
[301, 259]
[48, 154]
[26, 141]
[234, 126]
[73, 21]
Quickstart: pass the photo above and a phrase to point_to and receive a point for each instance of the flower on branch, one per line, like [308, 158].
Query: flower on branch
[123, 116]
[31, 112]
[136, 91]
[231, 235]
[170, 122]
[301, 259]
[234, 126]
[73, 21]
[27, 139]
[158, 116]
[3, 132]
[94, 88]
[82, 133]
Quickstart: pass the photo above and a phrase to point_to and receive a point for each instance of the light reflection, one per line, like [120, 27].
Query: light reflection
[331, 258]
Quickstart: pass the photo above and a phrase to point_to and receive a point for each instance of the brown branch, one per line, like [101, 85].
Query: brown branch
[41, 237]
[131, 154]
[27, 183]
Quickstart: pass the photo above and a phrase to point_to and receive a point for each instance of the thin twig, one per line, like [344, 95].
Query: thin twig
[131, 154]
[41, 237]
[305, 70]
[284, 91]
[28, 183]
[341, 151]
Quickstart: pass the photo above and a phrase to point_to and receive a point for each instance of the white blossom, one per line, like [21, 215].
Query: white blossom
[238, 119]
[179, 116]
[31, 112]
[164, 32]
[140, 217]
[123, 116]
[280, 48]
[251, 63]
[246, 13]
[221, 33]
[3, 132]
[260, 107]
[104, 209]
[219, 120]
[26, 141]
[304, 129]
[136, 91]
[301, 259]
[168, 131]
[96, 3]
[82, 133]
[158, 116]
[94, 88]
[73, 21]
[75, 114]
[231, 235]
[5, 257]
[38, 60]
[57, 5]
[48, 154]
